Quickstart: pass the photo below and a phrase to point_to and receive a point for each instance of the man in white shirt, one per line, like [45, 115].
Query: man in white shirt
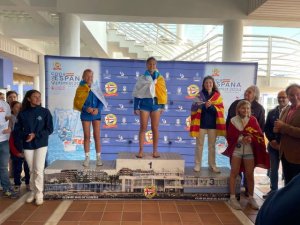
[5, 130]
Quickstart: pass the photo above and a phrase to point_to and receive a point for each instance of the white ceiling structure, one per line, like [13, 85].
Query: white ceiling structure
[29, 28]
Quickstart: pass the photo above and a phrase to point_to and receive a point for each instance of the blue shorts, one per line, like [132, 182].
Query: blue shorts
[150, 105]
[84, 116]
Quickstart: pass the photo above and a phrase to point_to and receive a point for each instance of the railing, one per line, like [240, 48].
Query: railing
[276, 56]
[153, 37]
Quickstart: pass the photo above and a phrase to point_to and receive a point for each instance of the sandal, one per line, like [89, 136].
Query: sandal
[155, 155]
[139, 155]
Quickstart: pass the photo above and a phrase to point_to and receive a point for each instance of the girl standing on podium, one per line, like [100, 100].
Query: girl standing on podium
[33, 126]
[89, 100]
[207, 117]
[150, 97]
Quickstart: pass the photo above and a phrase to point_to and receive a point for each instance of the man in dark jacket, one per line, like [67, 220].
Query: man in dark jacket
[274, 139]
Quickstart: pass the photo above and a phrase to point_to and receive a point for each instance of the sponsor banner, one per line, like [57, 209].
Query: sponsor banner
[119, 126]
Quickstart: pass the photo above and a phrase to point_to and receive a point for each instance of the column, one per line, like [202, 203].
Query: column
[36, 82]
[232, 40]
[42, 79]
[180, 32]
[69, 35]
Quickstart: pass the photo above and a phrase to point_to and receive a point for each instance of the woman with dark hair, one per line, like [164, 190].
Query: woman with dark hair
[89, 100]
[207, 117]
[33, 126]
[150, 96]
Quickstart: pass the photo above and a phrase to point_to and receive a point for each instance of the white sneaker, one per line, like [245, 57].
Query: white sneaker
[197, 168]
[39, 201]
[253, 203]
[99, 161]
[215, 169]
[235, 204]
[264, 181]
[86, 162]
[30, 197]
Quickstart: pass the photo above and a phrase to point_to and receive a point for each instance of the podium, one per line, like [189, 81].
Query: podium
[165, 177]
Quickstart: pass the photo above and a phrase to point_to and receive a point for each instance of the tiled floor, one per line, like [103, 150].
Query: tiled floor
[128, 213]
[149, 212]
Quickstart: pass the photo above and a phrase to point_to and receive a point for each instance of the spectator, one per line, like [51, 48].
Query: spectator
[274, 140]
[17, 153]
[2, 96]
[34, 125]
[11, 96]
[5, 129]
[288, 126]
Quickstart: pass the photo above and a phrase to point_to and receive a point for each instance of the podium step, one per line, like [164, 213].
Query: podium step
[166, 162]
[130, 177]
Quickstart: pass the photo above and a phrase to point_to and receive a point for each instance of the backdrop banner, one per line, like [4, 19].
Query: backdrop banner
[119, 126]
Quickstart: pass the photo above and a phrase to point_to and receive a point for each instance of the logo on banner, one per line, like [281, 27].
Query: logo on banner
[149, 137]
[215, 72]
[181, 77]
[110, 121]
[177, 122]
[120, 139]
[164, 122]
[124, 121]
[56, 66]
[136, 121]
[111, 89]
[124, 90]
[179, 140]
[122, 107]
[179, 91]
[166, 140]
[60, 80]
[122, 75]
[197, 78]
[188, 123]
[192, 91]
[107, 75]
[167, 76]
[135, 138]
[106, 139]
[180, 109]
[227, 85]
[150, 191]
[166, 108]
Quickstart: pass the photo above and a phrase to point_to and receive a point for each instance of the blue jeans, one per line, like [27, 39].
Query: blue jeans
[4, 157]
[274, 161]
